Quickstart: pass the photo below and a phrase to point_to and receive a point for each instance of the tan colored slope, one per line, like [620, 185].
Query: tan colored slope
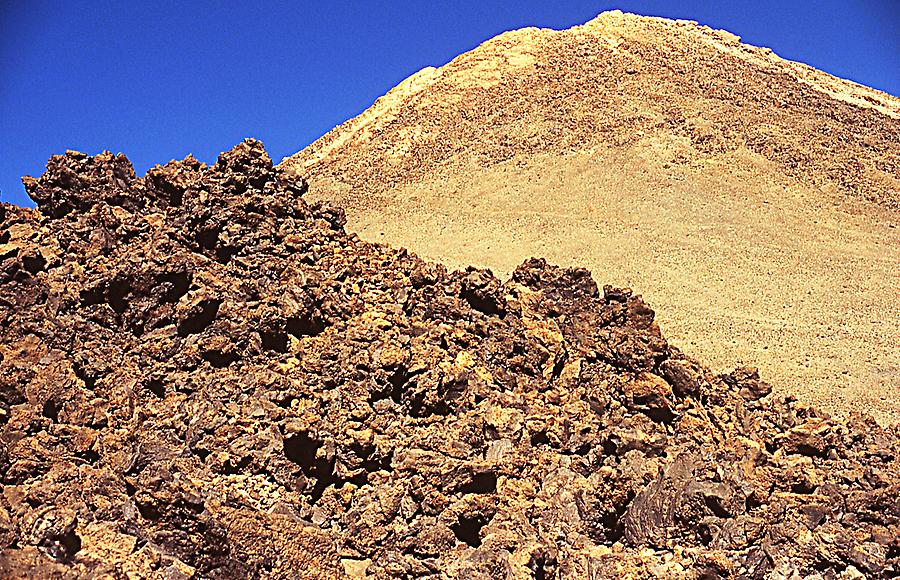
[751, 199]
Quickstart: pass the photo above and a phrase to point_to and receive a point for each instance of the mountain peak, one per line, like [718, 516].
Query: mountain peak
[664, 155]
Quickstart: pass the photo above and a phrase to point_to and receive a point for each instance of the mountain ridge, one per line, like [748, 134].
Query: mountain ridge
[612, 27]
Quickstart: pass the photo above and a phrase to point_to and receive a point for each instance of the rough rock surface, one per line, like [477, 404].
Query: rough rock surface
[202, 375]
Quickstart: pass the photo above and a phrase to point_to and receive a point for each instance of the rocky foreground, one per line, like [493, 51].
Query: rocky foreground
[203, 376]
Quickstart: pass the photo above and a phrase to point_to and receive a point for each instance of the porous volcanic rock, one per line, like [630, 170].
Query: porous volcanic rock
[203, 376]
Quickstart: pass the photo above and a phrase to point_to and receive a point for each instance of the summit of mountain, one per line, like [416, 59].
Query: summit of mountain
[754, 199]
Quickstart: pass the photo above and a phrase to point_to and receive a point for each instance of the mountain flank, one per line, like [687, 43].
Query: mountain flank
[752, 199]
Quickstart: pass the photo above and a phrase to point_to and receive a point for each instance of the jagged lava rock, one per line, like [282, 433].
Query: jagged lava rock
[202, 375]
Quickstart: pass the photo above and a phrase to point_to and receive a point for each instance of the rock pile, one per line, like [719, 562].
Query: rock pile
[202, 375]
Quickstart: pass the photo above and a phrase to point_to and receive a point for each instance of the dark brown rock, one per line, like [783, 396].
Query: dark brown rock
[201, 375]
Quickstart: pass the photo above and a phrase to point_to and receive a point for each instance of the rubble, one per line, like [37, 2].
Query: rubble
[204, 376]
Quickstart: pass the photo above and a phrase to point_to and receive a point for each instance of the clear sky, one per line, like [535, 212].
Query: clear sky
[159, 80]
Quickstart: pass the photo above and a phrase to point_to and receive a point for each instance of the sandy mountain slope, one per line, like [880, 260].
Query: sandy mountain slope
[752, 199]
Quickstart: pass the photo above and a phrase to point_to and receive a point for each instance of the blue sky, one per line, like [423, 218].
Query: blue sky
[159, 80]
